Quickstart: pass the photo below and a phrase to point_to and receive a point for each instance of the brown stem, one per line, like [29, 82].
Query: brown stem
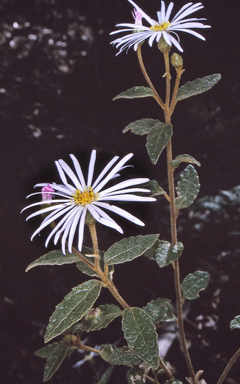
[229, 366]
[176, 86]
[165, 368]
[156, 95]
[168, 78]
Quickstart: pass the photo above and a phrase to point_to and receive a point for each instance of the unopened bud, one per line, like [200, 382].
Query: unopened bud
[177, 60]
[47, 193]
[163, 46]
[89, 220]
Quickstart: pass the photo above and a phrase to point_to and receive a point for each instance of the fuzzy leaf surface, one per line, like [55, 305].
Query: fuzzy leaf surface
[55, 359]
[155, 188]
[194, 283]
[184, 158]
[128, 249]
[235, 323]
[54, 258]
[73, 307]
[136, 375]
[141, 127]
[140, 333]
[119, 356]
[160, 310]
[187, 187]
[166, 253]
[84, 267]
[106, 375]
[195, 87]
[135, 93]
[157, 140]
[98, 318]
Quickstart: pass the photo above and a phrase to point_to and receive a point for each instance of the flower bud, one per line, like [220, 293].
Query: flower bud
[163, 46]
[177, 60]
[47, 193]
[89, 220]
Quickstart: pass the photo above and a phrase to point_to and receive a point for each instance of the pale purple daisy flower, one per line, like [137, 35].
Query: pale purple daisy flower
[163, 27]
[76, 199]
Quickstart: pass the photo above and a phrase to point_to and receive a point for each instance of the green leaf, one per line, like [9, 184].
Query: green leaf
[195, 87]
[84, 267]
[106, 375]
[98, 318]
[45, 352]
[128, 249]
[187, 187]
[119, 356]
[155, 188]
[160, 310]
[136, 376]
[194, 283]
[166, 253]
[72, 308]
[151, 252]
[54, 258]
[141, 127]
[135, 92]
[157, 140]
[184, 158]
[55, 359]
[235, 323]
[141, 335]
[174, 382]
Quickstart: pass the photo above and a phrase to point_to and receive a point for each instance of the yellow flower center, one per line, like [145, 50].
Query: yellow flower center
[85, 197]
[160, 27]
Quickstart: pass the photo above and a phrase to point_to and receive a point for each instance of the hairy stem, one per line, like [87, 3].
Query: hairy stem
[229, 366]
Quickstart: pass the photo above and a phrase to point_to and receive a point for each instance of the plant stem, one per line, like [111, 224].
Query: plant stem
[157, 97]
[229, 366]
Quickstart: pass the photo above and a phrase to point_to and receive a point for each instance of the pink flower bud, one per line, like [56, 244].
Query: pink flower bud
[137, 17]
[47, 193]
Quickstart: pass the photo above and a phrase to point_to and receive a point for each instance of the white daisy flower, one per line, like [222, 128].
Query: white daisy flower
[163, 27]
[76, 199]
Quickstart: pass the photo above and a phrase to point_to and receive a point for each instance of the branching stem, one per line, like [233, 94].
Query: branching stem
[229, 366]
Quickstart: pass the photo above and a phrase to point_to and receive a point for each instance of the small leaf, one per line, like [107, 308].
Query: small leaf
[107, 351]
[157, 140]
[235, 323]
[106, 376]
[55, 360]
[135, 92]
[119, 356]
[174, 382]
[141, 127]
[160, 310]
[45, 352]
[187, 187]
[166, 253]
[54, 258]
[98, 318]
[194, 283]
[72, 308]
[136, 376]
[151, 252]
[184, 158]
[140, 333]
[155, 188]
[84, 267]
[195, 87]
[128, 249]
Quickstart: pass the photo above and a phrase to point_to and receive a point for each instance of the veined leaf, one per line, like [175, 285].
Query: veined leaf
[135, 92]
[98, 318]
[119, 356]
[187, 187]
[141, 335]
[235, 323]
[72, 308]
[160, 310]
[157, 140]
[194, 283]
[141, 127]
[54, 258]
[155, 188]
[128, 249]
[195, 87]
[166, 253]
[184, 158]
[136, 375]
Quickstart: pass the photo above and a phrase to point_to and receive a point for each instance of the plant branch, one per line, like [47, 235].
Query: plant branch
[229, 366]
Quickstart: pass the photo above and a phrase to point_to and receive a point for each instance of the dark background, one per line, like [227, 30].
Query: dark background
[58, 75]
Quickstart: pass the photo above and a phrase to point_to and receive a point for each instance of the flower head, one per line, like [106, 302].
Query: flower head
[77, 198]
[163, 27]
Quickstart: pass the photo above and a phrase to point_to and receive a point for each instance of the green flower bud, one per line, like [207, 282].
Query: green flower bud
[163, 46]
[176, 60]
[89, 220]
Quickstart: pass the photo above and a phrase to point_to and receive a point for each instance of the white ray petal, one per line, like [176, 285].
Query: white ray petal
[70, 173]
[104, 171]
[169, 10]
[91, 168]
[146, 17]
[59, 224]
[61, 173]
[128, 198]
[192, 9]
[193, 33]
[128, 190]
[78, 169]
[120, 212]
[81, 229]
[124, 184]
[45, 210]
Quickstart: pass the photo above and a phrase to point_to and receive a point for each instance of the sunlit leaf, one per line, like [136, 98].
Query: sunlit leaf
[187, 187]
[157, 140]
[235, 323]
[166, 253]
[54, 258]
[140, 333]
[184, 158]
[160, 310]
[135, 92]
[73, 307]
[141, 127]
[194, 283]
[128, 249]
[195, 87]
[98, 318]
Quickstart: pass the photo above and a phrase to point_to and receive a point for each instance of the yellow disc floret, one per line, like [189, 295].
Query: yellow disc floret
[160, 27]
[85, 197]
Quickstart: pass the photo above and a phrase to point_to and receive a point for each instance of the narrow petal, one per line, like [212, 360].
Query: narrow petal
[120, 212]
[128, 190]
[70, 174]
[59, 224]
[81, 229]
[61, 173]
[192, 9]
[67, 190]
[73, 228]
[169, 10]
[46, 210]
[91, 168]
[100, 219]
[78, 169]
[128, 198]
[124, 184]
[193, 33]
[104, 171]
[146, 17]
